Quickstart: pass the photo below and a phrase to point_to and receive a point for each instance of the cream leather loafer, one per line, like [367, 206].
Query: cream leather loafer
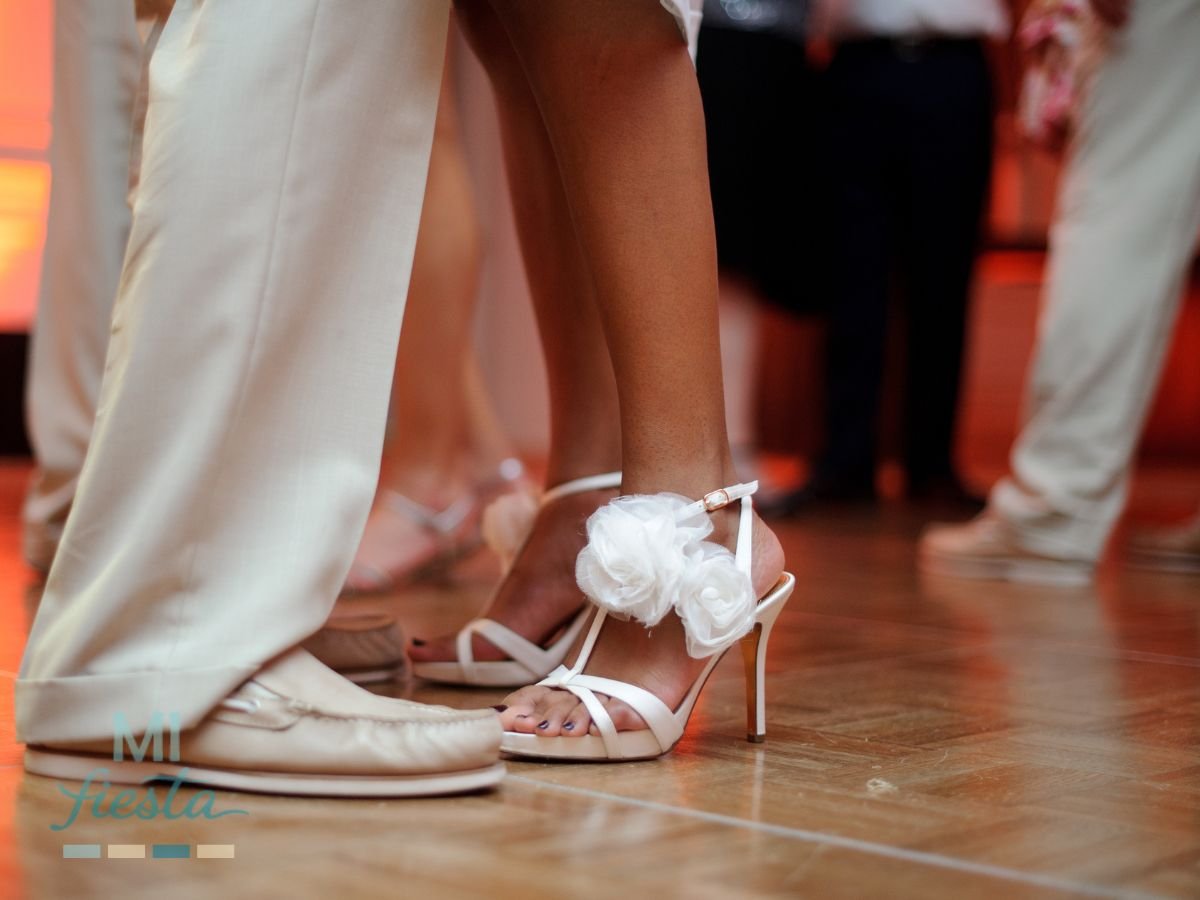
[297, 727]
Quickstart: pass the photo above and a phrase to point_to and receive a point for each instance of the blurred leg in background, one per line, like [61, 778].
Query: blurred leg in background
[97, 69]
[948, 163]
[758, 92]
[445, 456]
[1129, 212]
[907, 154]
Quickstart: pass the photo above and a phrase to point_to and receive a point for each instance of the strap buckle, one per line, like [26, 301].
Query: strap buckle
[717, 499]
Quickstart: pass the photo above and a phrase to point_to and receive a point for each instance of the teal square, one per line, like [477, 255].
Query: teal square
[81, 851]
[170, 851]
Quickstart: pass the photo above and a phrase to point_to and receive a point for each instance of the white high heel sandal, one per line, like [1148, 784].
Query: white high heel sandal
[646, 557]
[527, 661]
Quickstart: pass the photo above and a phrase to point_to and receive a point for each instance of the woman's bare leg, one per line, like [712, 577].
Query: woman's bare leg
[539, 593]
[618, 96]
[425, 457]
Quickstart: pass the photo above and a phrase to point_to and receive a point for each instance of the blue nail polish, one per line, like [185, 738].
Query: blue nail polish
[570, 726]
[545, 723]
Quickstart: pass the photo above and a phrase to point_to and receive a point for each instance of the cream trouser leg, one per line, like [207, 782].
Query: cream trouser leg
[96, 70]
[240, 423]
[1129, 213]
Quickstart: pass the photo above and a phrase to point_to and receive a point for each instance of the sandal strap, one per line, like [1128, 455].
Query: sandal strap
[745, 538]
[720, 498]
[599, 715]
[517, 648]
[442, 522]
[581, 485]
[658, 717]
[525, 652]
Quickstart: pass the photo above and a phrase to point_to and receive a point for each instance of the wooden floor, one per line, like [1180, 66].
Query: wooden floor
[928, 738]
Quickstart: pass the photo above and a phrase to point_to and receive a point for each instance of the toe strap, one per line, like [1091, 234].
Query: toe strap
[604, 722]
[662, 722]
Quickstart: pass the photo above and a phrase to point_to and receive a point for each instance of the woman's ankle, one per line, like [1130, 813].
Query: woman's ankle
[692, 480]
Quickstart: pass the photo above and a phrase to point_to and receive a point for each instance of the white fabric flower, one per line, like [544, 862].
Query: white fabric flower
[637, 553]
[715, 601]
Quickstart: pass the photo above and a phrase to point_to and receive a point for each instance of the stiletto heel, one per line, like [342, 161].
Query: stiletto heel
[754, 658]
[753, 653]
[646, 557]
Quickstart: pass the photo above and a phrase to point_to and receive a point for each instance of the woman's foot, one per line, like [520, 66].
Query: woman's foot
[424, 521]
[538, 596]
[654, 659]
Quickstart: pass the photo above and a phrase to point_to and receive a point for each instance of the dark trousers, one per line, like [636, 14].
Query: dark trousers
[909, 132]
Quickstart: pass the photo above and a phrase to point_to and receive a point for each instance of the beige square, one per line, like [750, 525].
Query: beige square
[126, 851]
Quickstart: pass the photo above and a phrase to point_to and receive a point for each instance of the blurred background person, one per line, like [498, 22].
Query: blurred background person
[759, 98]
[906, 166]
[97, 69]
[1129, 212]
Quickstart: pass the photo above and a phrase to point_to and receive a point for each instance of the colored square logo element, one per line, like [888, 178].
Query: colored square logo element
[171, 851]
[214, 851]
[81, 851]
[126, 851]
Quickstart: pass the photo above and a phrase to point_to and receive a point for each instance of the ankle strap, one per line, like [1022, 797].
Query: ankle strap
[580, 485]
[720, 498]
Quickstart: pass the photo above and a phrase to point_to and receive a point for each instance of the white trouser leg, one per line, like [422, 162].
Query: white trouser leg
[240, 422]
[96, 68]
[1128, 217]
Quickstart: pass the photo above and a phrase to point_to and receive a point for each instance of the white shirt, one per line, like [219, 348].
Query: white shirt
[912, 18]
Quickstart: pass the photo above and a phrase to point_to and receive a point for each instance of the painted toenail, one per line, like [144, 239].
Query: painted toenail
[570, 726]
[545, 723]
[500, 708]
[417, 642]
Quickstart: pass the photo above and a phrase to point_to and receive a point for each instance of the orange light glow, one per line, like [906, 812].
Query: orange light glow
[24, 191]
[26, 43]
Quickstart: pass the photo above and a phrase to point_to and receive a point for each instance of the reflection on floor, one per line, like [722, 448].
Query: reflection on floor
[927, 739]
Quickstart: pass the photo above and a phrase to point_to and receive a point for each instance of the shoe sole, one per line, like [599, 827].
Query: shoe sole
[1046, 573]
[635, 746]
[79, 767]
